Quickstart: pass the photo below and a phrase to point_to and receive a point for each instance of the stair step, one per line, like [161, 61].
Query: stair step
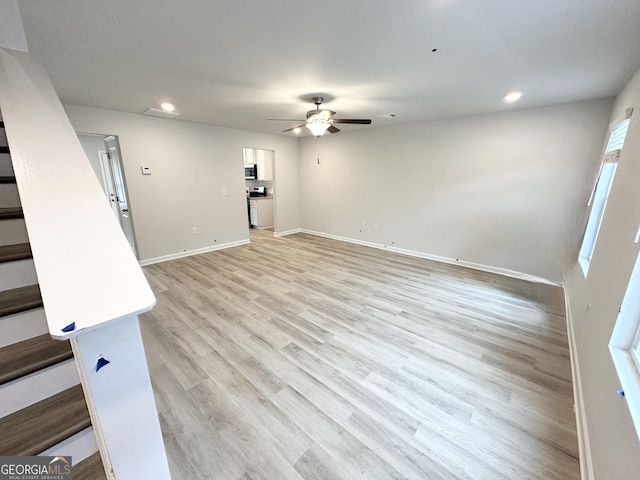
[9, 195]
[7, 179]
[38, 386]
[22, 326]
[11, 212]
[1, 124]
[32, 430]
[10, 253]
[90, 468]
[28, 356]
[20, 300]
[13, 231]
[4, 149]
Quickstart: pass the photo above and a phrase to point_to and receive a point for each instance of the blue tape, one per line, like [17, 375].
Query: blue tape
[70, 328]
[101, 363]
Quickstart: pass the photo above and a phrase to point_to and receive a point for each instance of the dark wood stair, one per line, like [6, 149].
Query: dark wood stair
[19, 300]
[10, 212]
[89, 469]
[17, 251]
[29, 356]
[42, 425]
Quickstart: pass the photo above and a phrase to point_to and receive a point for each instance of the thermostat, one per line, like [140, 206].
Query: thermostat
[146, 170]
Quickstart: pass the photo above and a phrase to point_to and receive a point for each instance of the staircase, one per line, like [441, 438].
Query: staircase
[42, 405]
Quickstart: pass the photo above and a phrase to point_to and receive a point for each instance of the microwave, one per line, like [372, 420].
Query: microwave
[251, 171]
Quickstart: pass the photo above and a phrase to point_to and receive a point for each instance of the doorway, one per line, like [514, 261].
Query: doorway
[103, 153]
[259, 168]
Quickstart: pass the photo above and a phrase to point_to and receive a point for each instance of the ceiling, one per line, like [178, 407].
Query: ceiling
[236, 63]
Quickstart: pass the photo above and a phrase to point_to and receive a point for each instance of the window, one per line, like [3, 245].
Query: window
[600, 194]
[625, 345]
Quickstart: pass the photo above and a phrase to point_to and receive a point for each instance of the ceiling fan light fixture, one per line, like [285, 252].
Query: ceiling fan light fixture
[317, 128]
[297, 130]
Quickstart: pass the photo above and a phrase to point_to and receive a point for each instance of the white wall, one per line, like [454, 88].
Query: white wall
[503, 190]
[11, 29]
[191, 163]
[615, 449]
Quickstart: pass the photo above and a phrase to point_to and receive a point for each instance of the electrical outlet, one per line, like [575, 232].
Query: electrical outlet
[194, 230]
[287, 216]
[375, 226]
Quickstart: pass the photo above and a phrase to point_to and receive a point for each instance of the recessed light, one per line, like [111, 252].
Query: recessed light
[167, 107]
[156, 112]
[296, 130]
[512, 97]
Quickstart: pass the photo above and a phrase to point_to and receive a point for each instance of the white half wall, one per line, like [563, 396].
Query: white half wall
[594, 302]
[504, 190]
[192, 164]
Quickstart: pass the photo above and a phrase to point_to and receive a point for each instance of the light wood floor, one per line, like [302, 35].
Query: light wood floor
[306, 358]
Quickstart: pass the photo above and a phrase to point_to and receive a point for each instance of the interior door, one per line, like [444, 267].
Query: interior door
[113, 153]
[107, 182]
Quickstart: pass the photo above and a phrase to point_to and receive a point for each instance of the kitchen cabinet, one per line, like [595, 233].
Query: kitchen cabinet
[261, 212]
[249, 156]
[264, 160]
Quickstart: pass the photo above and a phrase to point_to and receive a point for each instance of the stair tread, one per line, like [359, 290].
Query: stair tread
[28, 356]
[90, 468]
[10, 212]
[20, 300]
[17, 251]
[7, 179]
[4, 149]
[1, 124]
[42, 425]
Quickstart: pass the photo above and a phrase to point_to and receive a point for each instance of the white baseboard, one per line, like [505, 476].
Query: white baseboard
[437, 258]
[287, 232]
[188, 253]
[584, 447]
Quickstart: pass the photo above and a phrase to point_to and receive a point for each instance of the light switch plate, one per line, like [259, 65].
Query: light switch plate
[146, 170]
[224, 192]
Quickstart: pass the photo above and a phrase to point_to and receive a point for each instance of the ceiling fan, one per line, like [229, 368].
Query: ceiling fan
[320, 121]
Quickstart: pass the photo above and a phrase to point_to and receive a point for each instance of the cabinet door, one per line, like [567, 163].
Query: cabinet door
[265, 213]
[264, 160]
[249, 156]
[253, 213]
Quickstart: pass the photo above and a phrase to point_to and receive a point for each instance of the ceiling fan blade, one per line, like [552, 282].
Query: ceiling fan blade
[293, 128]
[286, 119]
[360, 121]
[333, 129]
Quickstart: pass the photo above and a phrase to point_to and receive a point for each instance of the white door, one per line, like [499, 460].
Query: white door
[113, 154]
[107, 182]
